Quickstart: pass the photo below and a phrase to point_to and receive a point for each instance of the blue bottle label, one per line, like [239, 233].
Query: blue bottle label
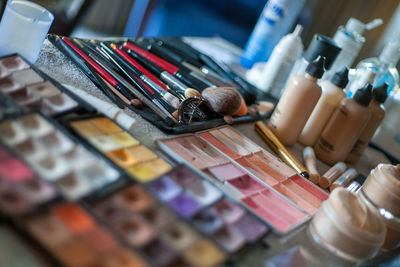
[274, 12]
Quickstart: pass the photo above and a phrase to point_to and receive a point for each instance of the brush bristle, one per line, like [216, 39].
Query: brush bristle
[172, 100]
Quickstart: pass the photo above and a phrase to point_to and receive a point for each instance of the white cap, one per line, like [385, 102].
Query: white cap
[390, 53]
[291, 44]
[355, 26]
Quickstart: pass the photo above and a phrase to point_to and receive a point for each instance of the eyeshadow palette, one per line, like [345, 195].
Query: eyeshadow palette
[31, 89]
[56, 158]
[152, 230]
[250, 174]
[121, 147]
[73, 237]
[21, 190]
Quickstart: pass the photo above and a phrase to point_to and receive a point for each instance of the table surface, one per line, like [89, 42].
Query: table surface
[56, 65]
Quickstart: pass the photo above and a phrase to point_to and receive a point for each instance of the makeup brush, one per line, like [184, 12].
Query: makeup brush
[169, 79]
[172, 100]
[223, 99]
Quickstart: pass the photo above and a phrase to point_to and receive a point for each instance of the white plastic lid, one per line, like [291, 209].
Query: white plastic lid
[390, 53]
[355, 26]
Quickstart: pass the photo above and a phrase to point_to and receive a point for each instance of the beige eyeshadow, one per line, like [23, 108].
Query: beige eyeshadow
[141, 153]
[124, 139]
[45, 89]
[105, 125]
[25, 77]
[85, 128]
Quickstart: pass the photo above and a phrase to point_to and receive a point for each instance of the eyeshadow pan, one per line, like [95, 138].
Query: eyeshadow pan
[220, 145]
[123, 257]
[266, 214]
[51, 168]
[25, 77]
[105, 125]
[74, 217]
[35, 125]
[279, 165]
[304, 194]
[165, 188]
[12, 133]
[208, 221]
[99, 239]
[74, 253]
[183, 176]
[15, 170]
[260, 163]
[206, 148]
[37, 191]
[205, 254]
[159, 253]
[309, 187]
[229, 211]
[124, 139]
[135, 231]
[250, 167]
[58, 103]
[141, 153]
[73, 186]
[204, 192]
[230, 143]
[149, 170]
[13, 203]
[178, 235]
[250, 228]
[85, 128]
[239, 140]
[104, 143]
[184, 204]
[246, 185]
[50, 230]
[191, 158]
[134, 198]
[110, 210]
[157, 216]
[44, 90]
[303, 204]
[227, 171]
[23, 96]
[57, 142]
[122, 157]
[31, 149]
[14, 63]
[280, 207]
[230, 239]
[189, 144]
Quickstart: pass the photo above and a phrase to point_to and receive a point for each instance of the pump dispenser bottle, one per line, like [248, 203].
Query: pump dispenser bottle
[344, 127]
[297, 102]
[332, 94]
[379, 95]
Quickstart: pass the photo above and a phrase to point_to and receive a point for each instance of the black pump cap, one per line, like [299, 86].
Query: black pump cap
[380, 93]
[341, 78]
[317, 67]
[364, 95]
[322, 45]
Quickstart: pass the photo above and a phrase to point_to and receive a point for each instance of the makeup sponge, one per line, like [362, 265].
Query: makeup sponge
[223, 99]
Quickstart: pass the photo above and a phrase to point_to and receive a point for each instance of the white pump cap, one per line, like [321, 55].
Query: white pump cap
[355, 26]
[291, 44]
[391, 53]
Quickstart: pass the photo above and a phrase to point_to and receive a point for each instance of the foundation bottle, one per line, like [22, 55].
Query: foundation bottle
[381, 193]
[297, 102]
[344, 127]
[332, 94]
[344, 232]
[379, 95]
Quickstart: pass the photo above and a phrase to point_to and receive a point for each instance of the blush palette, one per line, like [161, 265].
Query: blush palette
[32, 90]
[55, 157]
[250, 174]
